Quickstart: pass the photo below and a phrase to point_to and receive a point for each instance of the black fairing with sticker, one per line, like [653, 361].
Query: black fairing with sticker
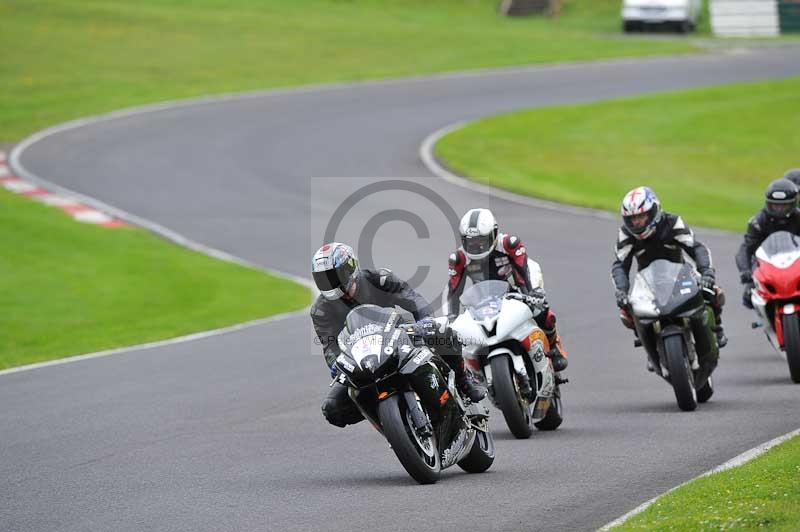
[682, 311]
[380, 359]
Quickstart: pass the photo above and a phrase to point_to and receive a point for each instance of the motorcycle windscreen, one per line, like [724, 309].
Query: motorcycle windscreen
[368, 319]
[662, 287]
[484, 299]
[781, 249]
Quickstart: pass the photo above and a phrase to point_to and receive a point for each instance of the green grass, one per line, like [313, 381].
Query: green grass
[763, 494]
[707, 153]
[64, 59]
[68, 288]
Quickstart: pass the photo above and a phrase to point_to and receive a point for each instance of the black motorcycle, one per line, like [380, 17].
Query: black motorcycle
[675, 325]
[409, 395]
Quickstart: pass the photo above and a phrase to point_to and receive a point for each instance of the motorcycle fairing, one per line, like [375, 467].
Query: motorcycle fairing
[781, 249]
[665, 288]
[777, 281]
[369, 343]
[513, 334]
[778, 267]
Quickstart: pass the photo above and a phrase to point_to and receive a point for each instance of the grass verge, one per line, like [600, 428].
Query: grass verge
[707, 153]
[763, 494]
[68, 288]
[63, 60]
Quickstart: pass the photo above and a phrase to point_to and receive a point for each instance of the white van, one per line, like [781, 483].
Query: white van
[679, 15]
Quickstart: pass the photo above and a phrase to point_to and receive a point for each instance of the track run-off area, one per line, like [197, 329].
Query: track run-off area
[225, 432]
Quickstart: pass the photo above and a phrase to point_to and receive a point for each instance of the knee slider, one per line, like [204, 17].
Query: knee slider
[331, 414]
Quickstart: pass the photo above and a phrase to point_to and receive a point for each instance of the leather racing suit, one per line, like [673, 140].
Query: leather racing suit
[672, 240]
[508, 261]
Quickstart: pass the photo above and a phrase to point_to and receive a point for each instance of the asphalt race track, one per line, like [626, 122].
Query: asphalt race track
[226, 433]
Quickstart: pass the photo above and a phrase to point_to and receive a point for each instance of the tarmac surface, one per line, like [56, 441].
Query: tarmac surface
[225, 433]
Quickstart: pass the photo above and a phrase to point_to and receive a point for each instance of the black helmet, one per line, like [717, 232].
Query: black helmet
[793, 175]
[781, 199]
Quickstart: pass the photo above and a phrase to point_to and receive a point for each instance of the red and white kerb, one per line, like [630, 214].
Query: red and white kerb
[78, 211]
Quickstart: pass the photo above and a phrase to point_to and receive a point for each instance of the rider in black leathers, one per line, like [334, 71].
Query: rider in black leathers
[344, 286]
[780, 213]
[661, 236]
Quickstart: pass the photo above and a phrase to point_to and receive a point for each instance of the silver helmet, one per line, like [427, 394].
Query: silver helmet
[334, 268]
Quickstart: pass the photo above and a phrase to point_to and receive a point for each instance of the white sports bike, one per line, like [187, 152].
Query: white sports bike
[506, 349]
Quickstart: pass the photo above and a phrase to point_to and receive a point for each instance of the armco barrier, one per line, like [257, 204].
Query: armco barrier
[745, 18]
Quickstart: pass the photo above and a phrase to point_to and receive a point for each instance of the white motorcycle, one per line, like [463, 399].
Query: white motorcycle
[506, 349]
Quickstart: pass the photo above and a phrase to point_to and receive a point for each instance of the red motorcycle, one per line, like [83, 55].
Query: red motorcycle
[776, 298]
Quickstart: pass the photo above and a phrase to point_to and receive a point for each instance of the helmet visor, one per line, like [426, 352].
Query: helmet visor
[333, 283]
[638, 223]
[476, 245]
[327, 280]
[780, 208]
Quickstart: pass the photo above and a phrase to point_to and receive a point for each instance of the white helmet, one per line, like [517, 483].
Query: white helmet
[641, 212]
[478, 233]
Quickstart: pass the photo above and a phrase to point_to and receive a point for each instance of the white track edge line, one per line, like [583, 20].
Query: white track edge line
[737, 461]
[429, 159]
[426, 153]
[168, 234]
[159, 343]
[14, 162]
[16, 165]
[436, 167]
[390, 81]
[151, 226]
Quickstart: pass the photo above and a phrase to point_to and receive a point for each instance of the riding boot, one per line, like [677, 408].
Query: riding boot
[716, 306]
[466, 385]
[722, 340]
[557, 354]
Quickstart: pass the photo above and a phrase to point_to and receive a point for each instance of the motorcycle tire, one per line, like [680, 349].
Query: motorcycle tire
[705, 392]
[481, 455]
[399, 433]
[791, 343]
[680, 373]
[506, 394]
[555, 414]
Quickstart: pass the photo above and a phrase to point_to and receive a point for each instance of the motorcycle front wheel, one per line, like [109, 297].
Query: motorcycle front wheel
[791, 343]
[418, 455]
[680, 374]
[517, 416]
[481, 454]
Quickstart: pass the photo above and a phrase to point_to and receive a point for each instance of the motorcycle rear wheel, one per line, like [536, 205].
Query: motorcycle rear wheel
[424, 467]
[555, 414]
[791, 343]
[517, 416]
[680, 374]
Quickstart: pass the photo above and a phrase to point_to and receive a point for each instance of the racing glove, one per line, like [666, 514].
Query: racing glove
[536, 300]
[429, 327]
[708, 281]
[334, 370]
